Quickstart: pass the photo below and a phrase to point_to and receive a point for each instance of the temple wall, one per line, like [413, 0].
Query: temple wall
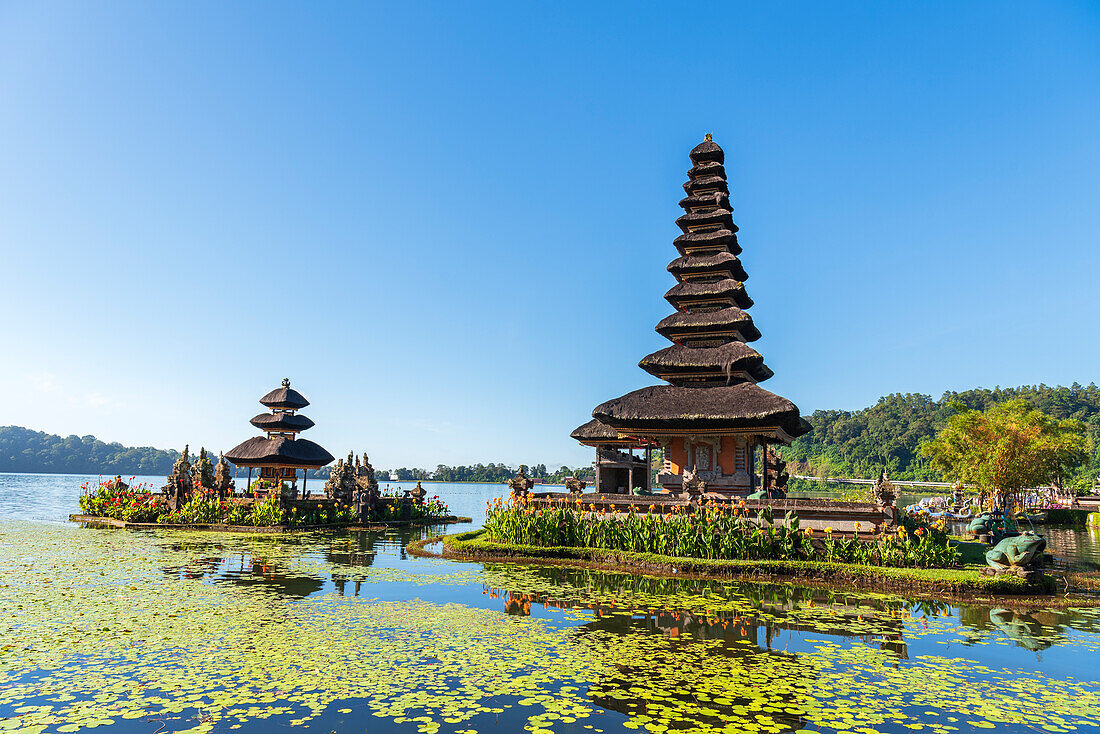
[676, 455]
[725, 455]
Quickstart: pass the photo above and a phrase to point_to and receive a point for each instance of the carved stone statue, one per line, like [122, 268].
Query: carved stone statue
[693, 485]
[223, 478]
[342, 485]
[366, 488]
[520, 484]
[958, 498]
[178, 490]
[1022, 555]
[202, 471]
[418, 493]
[575, 484]
[777, 475]
[884, 491]
[364, 475]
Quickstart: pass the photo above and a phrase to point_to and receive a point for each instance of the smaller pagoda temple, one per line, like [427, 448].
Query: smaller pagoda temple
[280, 453]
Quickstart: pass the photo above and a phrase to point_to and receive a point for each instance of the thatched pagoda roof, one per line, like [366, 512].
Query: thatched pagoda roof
[687, 292]
[281, 422]
[697, 186]
[721, 217]
[707, 151]
[285, 398]
[721, 240]
[681, 324]
[594, 430]
[719, 263]
[706, 169]
[279, 451]
[701, 409]
[726, 359]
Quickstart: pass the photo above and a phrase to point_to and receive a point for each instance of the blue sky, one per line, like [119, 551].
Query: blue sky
[449, 224]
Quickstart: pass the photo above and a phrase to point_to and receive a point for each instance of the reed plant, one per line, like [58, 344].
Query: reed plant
[713, 531]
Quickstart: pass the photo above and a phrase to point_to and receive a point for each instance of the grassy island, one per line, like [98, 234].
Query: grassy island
[117, 504]
[727, 541]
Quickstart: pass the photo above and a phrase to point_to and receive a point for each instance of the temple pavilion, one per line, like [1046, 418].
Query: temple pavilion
[280, 453]
[711, 417]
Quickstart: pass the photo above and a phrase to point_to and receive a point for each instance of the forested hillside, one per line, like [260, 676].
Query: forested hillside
[24, 450]
[888, 434]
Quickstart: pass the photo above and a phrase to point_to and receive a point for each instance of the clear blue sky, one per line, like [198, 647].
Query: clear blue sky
[449, 223]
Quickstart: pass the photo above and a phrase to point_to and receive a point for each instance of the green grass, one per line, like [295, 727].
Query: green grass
[964, 581]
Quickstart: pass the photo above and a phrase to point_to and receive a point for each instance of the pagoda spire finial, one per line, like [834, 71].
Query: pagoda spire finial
[707, 138]
[286, 382]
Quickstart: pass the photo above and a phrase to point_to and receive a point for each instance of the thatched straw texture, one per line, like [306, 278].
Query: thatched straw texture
[706, 169]
[286, 398]
[724, 319]
[281, 422]
[722, 262]
[687, 291]
[706, 183]
[707, 151]
[261, 451]
[735, 356]
[721, 239]
[721, 217]
[701, 408]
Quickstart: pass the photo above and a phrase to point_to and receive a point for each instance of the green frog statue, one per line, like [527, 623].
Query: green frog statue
[981, 525]
[1019, 554]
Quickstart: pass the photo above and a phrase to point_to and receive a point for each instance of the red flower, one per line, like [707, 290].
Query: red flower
[920, 531]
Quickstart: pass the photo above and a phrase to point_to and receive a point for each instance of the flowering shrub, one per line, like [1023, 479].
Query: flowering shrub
[713, 532]
[389, 508]
[430, 508]
[116, 500]
[320, 515]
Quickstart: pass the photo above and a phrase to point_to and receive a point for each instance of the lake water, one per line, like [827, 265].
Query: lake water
[167, 631]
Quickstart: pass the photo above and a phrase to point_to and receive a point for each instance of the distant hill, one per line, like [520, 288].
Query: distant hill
[24, 450]
[888, 434]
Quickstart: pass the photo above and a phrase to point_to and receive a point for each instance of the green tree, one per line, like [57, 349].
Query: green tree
[1007, 448]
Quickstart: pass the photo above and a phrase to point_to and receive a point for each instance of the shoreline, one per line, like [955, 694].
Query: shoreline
[265, 529]
[964, 585]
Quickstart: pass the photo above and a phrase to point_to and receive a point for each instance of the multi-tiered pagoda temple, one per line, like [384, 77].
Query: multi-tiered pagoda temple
[281, 453]
[712, 417]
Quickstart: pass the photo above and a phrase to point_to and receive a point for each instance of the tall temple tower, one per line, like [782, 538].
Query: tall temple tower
[712, 416]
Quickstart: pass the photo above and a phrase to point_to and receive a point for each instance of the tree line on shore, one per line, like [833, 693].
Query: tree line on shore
[23, 450]
[488, 473]
[856, 444]
[888, 435]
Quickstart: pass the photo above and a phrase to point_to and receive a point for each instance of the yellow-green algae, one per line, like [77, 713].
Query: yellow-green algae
[100, 626]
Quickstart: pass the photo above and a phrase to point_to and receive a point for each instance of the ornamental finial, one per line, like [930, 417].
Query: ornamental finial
[707, 137]
[286, 382]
